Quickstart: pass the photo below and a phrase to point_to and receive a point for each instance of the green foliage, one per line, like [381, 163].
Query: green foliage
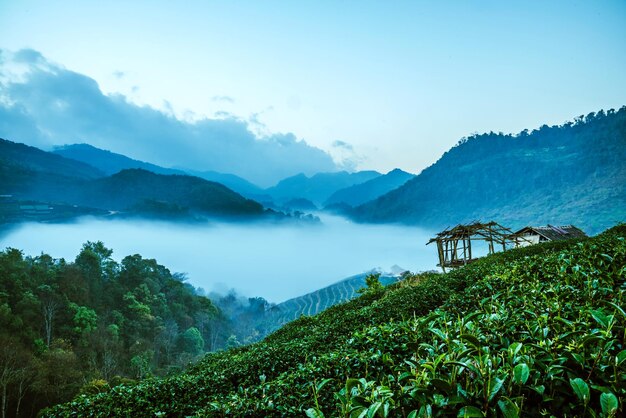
[94, 320]
[95, 386]
[534, 331]
[192, 341]
[373, 285]
[85, 319]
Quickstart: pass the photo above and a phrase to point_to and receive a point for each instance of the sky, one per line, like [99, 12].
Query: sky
[266, 89]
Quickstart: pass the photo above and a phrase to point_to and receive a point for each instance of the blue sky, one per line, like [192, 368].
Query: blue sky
[377, 85]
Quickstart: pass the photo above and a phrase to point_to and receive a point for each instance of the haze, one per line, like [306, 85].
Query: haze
[275, 261]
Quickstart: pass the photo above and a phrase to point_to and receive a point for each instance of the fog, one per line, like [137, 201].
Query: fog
[274, 261]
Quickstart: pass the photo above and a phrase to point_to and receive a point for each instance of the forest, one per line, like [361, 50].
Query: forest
[83, 326]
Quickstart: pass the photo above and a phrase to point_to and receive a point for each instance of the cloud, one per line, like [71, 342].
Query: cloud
[342, 144]
[345, 153]
[49, 105]
[224, 99]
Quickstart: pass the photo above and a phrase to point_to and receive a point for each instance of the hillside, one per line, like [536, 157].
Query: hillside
[322, 299]
[573, 173]
[233, 182]
[106, 161]
[318, 187]
[145, 192]
[364, 192]
[29, 173]
[111, 163]
[537, 330]
[65, 188]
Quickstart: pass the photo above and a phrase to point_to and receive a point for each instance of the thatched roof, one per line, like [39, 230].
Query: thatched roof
[553, 233]
[490, 231]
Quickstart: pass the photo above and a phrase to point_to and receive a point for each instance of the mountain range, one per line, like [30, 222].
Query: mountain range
[317, 188]
[297, 192]
[573, 173]
[30, 175]
[361, 193]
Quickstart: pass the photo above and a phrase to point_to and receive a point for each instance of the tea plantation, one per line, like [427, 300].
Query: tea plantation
[531, 332]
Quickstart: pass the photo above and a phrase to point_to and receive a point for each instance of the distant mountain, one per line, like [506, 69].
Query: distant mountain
[138, 190]
[319, 187]
[569, 174]
[35, 160]
[300, 203]
[106, 161]
[315, 302]
[236, 183]
[59, 187]
[110, 163]
[369, 190]
[29, 173]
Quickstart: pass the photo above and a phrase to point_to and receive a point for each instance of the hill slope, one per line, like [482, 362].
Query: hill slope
[106, 161]
[320, 300]
[569, 174]
[233, 182]
[538, 329]
[369, 190]
[69, 188]
[111, 163]
[146, 192]
[29, 173]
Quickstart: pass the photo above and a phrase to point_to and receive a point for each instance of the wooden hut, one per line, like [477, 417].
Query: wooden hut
[536, 234]
[454, 245]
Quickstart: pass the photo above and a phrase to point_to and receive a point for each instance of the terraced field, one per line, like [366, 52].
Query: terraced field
[315, 302]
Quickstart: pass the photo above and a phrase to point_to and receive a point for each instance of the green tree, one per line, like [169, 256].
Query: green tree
[191, 341]
[373, 285]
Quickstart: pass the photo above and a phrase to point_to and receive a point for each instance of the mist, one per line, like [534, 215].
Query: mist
[274, 261]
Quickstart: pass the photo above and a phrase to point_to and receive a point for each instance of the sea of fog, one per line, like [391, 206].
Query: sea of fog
[275, 261]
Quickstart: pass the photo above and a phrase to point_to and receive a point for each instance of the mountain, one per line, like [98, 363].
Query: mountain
[35, 160]
[138, 190]
[574, 173]
[106, 161]
[233, 182]
[29, 173]
[364, 192]
[110, 163]
[524, 333]
[319, 187]
[40, 185]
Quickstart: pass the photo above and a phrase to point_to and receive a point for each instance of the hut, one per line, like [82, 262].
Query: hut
[454, 245]
[536, 234]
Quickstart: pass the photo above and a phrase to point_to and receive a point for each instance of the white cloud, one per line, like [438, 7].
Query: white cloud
[29, 113]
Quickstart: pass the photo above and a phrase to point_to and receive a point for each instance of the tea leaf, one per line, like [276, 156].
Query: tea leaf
[521, 373]
[609, 403]
[508, 408]
[580, 389]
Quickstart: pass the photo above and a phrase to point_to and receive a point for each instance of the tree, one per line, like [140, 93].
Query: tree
[58, 372]
[8, 369]
[191, 341]
[49, 307]
[372, 281]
